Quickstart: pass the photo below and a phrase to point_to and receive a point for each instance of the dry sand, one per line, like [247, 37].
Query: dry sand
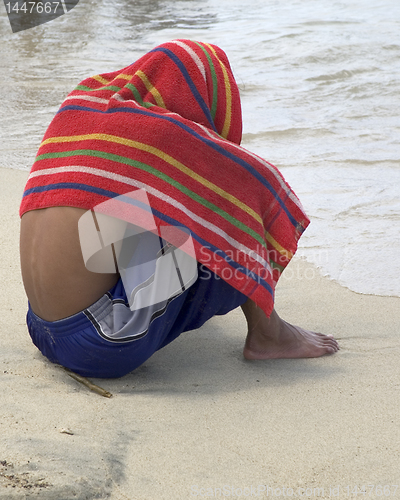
[197, 420]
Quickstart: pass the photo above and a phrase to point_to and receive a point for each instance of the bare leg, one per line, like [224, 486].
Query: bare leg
[270, 338]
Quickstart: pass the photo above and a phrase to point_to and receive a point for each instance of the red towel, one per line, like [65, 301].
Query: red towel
[170, 123]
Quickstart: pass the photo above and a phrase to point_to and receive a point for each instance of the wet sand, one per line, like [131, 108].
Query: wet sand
[197, 420]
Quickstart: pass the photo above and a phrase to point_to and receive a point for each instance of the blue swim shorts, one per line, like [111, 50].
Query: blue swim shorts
[86, 342]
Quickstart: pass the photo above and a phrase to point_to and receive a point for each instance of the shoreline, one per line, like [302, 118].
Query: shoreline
[312, 256]
[197, 416]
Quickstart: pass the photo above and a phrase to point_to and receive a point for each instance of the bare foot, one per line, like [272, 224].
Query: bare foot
[271, 338]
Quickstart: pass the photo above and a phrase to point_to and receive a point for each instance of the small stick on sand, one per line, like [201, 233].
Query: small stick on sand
[87, 383]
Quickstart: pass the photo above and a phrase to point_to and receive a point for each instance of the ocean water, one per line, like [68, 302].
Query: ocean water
[320, 87]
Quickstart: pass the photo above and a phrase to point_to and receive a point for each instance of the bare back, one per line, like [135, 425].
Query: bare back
[56, 280]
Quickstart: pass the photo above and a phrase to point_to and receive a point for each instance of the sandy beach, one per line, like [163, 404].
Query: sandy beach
[197, 420]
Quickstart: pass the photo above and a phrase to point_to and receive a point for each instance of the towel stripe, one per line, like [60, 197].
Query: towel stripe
[214, 81]
[209, 142]
[191, 85]
[154, 92]
[160, 154]
[228, 115]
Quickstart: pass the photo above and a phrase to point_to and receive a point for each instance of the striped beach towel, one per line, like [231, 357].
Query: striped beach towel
[170, 124]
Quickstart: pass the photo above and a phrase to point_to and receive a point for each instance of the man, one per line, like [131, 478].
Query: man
[169, 125]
